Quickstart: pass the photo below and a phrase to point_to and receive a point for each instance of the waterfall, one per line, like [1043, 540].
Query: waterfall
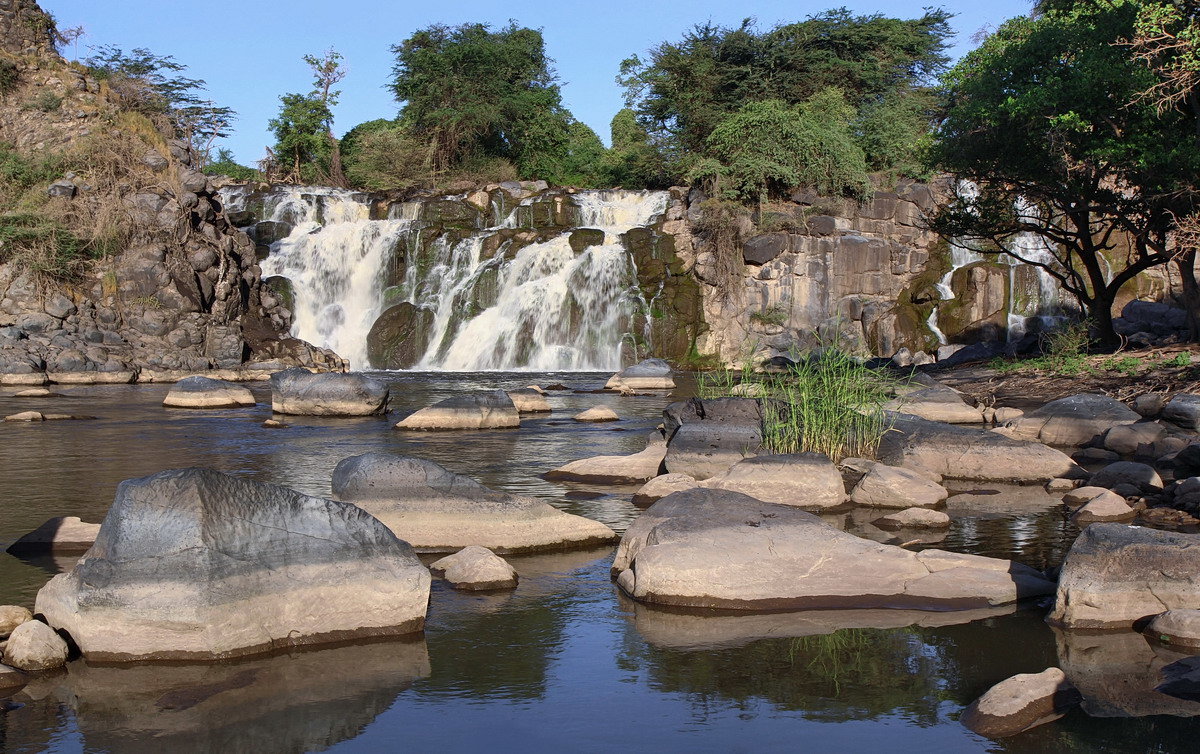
[508, 297]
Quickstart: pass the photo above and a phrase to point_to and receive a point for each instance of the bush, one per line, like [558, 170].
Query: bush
[40, 244]
[387, 157]
[46, 101]
[10, 77]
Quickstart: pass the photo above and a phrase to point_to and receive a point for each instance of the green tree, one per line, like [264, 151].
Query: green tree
[1044, 117]
[328, 71]
[225, 164]
[301, 142]
[383, 155]
[632, 161]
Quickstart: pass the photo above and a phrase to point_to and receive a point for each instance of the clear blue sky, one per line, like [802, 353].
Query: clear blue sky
[250, 52]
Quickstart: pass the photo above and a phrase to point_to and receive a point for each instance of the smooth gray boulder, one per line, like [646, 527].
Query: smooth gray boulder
[1183, 409]
[886, 486]
[1116, 575]
[1127, 439]
[529, 401]
[1180, 627]
[1074, 420]
[958, 452]
[661, 486]
[12, 616]
[35, 646]
[1019, 703]
[62, 534]
[649, 374]
[437, 510]
[706, 437]
[1107, 506]
[476, 569]
[485, 410]
[804, 480]
[720, 549]
[205, 392]
[1139, 475]
[635, 468]
[193, 564]
[301, 392]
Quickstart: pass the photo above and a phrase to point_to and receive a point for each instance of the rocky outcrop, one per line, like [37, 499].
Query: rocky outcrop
[719, 549]
[1117, 576]
[437, 510]
[301, 392]
[491, 410]
[204, 392]
[197, 565]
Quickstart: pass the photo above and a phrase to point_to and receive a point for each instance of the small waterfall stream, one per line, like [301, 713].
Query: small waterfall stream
[490, 302]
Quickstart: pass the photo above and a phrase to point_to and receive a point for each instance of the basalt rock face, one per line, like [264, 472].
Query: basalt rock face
[180, 291]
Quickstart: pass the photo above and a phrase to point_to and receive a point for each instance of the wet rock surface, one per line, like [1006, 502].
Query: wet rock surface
[205, 392]
[301, 392]
[492, 410]
[1020, 703]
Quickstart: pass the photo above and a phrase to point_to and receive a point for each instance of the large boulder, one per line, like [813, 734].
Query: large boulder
[886, 486]
[437, 510]
[957, 452]
[651, 374]
[1184, 410]
[193, 564]
[1131, 473]
[1127, 439]
[805, 480]
[399, 337]
[301, 392]
[205, 392]
[1115, 576]
[62, 534]
[1022, 702]
[636, 468]
[1074, 420]
[721, 549]
[486, 410]
[706, 437]
[475, 569]
[35, 646]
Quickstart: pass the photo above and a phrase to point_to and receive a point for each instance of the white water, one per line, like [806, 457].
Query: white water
[544, 308]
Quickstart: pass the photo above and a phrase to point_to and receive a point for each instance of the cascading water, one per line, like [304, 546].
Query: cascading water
[489, 305]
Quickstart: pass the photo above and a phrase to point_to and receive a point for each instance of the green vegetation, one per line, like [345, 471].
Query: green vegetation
[1047, 118]
[45, 101]
[1065, 354]
[10, 78]
[828, 402]
[226, 165]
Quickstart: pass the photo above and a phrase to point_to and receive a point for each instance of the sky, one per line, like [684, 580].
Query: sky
[250, 51]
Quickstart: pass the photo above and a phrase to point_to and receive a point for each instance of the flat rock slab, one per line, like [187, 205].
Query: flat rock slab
[437, 510]
[913, 518]
[928, 399]
[205, 392]
[720, 549]
[37, 392]
[476, 569]
[804, 480]
[1179, 627]
[661, 486]
[38, 416]
[886, 486]
[636, 468]
[529, 401]
[487, 410]
[957, 452]
[597, 414]
[650, 374]
[300, 392]
[193, 564]
[1075, 420]
[1022, 702]
[62, 534]
[1116, 575]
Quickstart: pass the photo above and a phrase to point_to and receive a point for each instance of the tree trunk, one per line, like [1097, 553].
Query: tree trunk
[336, 175]
[1191, 292]
[1100, 311]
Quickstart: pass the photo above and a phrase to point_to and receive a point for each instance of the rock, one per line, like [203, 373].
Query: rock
[489, 410]
[1022, 702]
[529, 401]
[913, 518]
[886, 486]
[1107, 506]
[12, 616]
[1074, 420]
[476, 569]
[650, 374]
[957, 452]
[35, 646]
[437, 510]
[1095, 455]
[707, 437]
[720, 549]
[637, 468]
[1139, 475]
[1149, 405]
[301, 392]
[193, 564]
[1125, 439]
[1181, 679]
[804, 480]
[1180, 627]
[26, 416]
[1060, 484]
[661, 486]
[1083, 495]
[1117, 672]
[1187, 461]
[63, 534]
[400, 336]
[1184, 410]
[275, 424]
[597, 414]
[205, 392]
[929, 399]
[11, 679]
[1116, 575]
[1004, 415]
[37, 392]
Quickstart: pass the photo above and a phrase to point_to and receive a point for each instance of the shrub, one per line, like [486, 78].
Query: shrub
[40, 244]
[389, 157]
[45, 101]
[10, 77]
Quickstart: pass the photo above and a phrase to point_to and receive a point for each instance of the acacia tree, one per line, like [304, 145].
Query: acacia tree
[328, 71]
[304, 127]
[1037, 118]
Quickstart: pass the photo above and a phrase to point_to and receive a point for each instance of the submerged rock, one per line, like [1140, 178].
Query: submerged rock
[193, 564]
[63, 534]
[1074, 420]
[913, 518]
[490, 410]
[1022, 702]
[650, 374]
[1118, 674]
[804, 480]
[886, 486]
[661, 486]
[204, 392]
[1116, 576]
[301, 392]
[597, 414]
[437, 510]
[35, 646]
[720, 549]
[636, 468]
[476, 569]
[1180, 627]
[529, 401]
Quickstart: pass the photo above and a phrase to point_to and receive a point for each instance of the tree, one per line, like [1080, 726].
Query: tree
[1038, 118]
[328, 71]
[154, 84]
[632, 161]
[301, 136]
[481, 93]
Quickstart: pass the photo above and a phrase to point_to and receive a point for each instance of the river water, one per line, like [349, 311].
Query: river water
[564, 660]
